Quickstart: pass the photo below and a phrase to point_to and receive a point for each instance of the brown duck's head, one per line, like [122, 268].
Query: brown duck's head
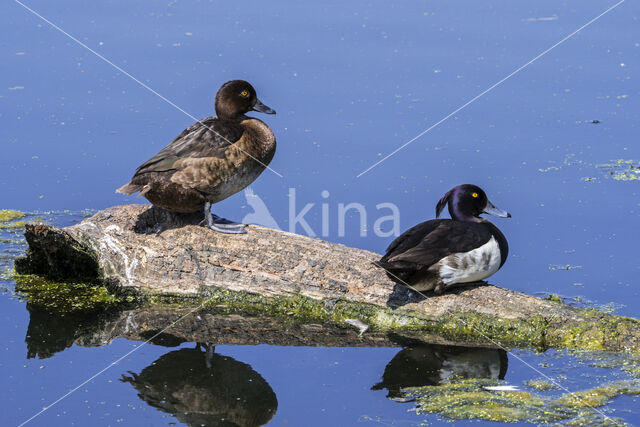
[236, 98]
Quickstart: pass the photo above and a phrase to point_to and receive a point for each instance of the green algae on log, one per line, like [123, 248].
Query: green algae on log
[274, 272]
[64, 298]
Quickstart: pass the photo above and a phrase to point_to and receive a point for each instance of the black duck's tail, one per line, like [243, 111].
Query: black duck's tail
[395, 272]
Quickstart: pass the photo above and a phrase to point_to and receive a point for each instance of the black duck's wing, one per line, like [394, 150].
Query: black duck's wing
[446, 238]
[410, 238]
[207, 138]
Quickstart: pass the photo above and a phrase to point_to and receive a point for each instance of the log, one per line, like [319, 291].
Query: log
[278, 273]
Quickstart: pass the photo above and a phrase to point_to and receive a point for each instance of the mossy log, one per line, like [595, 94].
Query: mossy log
[274, 272]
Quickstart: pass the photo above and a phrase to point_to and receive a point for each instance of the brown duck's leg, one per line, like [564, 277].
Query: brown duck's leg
[221, 225]
[439, 289]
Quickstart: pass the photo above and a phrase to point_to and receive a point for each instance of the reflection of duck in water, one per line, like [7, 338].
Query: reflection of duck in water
[431, 364]
[204, 388]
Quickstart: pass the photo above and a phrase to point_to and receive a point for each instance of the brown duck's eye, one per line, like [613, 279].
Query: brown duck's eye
[244, 93]
[474, 195]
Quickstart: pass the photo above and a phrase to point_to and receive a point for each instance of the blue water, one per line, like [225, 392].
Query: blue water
[351, 82]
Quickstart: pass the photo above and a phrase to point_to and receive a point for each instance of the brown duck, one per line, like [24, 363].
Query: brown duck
[211, 159]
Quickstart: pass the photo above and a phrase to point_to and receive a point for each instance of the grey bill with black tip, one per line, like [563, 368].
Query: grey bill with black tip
[492, 210]
[260, 107]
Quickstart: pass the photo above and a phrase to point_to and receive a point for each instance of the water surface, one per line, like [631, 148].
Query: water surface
[351, 83]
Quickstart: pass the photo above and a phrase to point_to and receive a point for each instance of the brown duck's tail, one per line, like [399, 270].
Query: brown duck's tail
[129, 188]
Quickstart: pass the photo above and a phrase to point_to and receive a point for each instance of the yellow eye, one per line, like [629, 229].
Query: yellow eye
[244, 93]
[474, 195]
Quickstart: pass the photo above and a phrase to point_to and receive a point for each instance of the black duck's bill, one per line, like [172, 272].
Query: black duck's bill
[260, 107]
[492, 210]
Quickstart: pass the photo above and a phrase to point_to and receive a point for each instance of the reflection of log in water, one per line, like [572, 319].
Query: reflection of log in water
[202, 388]
[431, 364]
[48, 333]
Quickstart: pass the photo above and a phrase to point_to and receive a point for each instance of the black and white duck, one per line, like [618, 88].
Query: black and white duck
[441, 253]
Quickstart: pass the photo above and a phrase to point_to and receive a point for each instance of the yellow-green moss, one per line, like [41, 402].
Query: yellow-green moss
[530, 332]
[466, 327]
[597, 333]
[468, 399]
[554, 298]
[301, 308]
[64, 298]
[9, 215]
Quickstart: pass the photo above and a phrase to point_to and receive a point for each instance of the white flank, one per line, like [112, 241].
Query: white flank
[472, 266]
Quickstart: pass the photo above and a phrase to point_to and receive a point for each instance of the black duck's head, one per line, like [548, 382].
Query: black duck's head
[467, 202]
[236, 98]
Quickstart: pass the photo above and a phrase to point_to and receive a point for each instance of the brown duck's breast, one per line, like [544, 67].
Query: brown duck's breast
[243, 162]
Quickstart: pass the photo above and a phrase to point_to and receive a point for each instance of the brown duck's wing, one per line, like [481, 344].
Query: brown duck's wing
[207, 138]
[430, 243]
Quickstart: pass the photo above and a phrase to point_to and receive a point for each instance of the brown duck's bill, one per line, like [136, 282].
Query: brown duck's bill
[260, 107]
[492, 210]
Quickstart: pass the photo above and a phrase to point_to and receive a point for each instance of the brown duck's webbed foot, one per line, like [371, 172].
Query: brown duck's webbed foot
[221, 225]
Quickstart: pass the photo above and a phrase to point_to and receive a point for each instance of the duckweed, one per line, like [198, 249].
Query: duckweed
[599, 396]
[8, 219]
[622, 170]
[467, 399]
[64, 298]
[540, 385]
[15, 224]
[7, 215]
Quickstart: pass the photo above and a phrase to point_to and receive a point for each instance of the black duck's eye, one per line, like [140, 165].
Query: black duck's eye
[244, 93]
[474, 195]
